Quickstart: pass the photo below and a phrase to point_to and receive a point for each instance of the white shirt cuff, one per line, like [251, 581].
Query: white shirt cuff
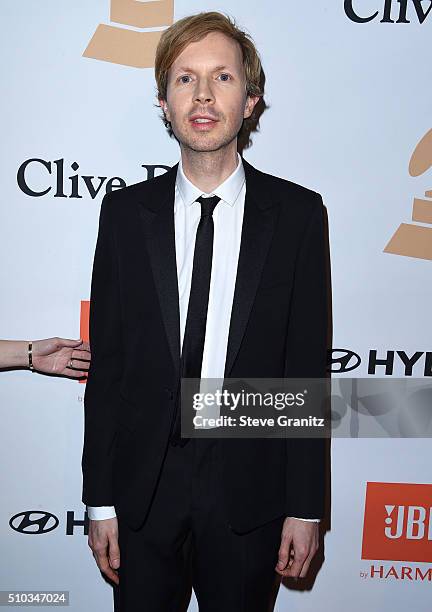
[305, 519]
[100, 513]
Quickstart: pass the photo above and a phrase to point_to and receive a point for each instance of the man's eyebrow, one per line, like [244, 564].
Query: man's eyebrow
[187, 69]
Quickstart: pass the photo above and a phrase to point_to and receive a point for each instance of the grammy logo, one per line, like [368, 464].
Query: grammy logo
[409, 239]
[120, 45]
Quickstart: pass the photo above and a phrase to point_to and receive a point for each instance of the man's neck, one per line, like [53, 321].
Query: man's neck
[208, 169]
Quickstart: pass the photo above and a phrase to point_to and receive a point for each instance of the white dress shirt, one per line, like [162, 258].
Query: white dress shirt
[227, 220]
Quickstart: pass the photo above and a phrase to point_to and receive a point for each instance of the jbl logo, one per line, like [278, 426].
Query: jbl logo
[411, 522]
[398, 522]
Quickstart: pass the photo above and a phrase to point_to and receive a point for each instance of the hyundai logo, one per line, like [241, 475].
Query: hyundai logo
[34, 522]
[345, 361]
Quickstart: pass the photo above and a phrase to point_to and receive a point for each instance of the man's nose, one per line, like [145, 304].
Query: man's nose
[203, 91]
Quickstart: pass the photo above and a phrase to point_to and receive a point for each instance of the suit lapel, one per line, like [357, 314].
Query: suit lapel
[258, 226]
[157, 215]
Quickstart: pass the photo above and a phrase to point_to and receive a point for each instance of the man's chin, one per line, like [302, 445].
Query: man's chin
[203, 145]
[201, 142]
[207, 149]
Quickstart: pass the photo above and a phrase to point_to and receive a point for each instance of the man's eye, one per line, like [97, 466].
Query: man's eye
[224, 74]
[184, 76]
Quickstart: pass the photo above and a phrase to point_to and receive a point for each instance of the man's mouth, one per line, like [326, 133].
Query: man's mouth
[203, 123]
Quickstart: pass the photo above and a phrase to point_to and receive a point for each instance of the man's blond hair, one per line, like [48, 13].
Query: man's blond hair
[192, 29]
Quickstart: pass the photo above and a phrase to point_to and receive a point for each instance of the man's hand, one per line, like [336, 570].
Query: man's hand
[62, 357]
[299, 543]
[103, 540]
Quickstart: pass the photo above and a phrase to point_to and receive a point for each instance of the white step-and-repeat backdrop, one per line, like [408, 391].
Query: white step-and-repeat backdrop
[349, 91]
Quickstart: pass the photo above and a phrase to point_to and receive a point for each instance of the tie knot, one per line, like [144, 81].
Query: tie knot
[208, 204]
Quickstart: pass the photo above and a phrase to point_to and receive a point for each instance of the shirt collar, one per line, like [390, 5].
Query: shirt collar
[228, 191]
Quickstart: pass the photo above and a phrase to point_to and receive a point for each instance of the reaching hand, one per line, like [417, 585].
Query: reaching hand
[62, 357]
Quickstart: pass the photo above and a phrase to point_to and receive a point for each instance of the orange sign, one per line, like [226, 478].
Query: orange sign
[398, 522]
[84, 323]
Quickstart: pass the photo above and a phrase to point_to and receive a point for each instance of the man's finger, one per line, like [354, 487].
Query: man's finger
[291, 559]
[114, 552]
[294, 569]
[102, 561]
[308, 562]
[283, 554]
[104, 566]
[305, 567]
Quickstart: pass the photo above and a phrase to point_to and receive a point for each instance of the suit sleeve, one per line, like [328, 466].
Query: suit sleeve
[306, 357]
[103, 383]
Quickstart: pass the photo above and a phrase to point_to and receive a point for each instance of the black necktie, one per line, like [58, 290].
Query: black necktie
[194, 335]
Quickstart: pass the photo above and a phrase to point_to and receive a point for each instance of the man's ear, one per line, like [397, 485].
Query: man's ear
[163, 104]
[250, 105]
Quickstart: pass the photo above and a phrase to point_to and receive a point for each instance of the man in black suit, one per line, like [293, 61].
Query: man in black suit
[213, 269]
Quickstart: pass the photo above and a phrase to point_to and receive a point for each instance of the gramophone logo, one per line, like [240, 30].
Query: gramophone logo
[410, 239]
[129, 47]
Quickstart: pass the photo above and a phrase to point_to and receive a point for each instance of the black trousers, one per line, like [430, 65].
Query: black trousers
[186, 542]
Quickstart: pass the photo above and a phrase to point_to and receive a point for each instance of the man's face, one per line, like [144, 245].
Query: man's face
[207, 80]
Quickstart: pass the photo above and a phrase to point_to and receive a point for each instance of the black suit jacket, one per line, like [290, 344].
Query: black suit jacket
[278, 329]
